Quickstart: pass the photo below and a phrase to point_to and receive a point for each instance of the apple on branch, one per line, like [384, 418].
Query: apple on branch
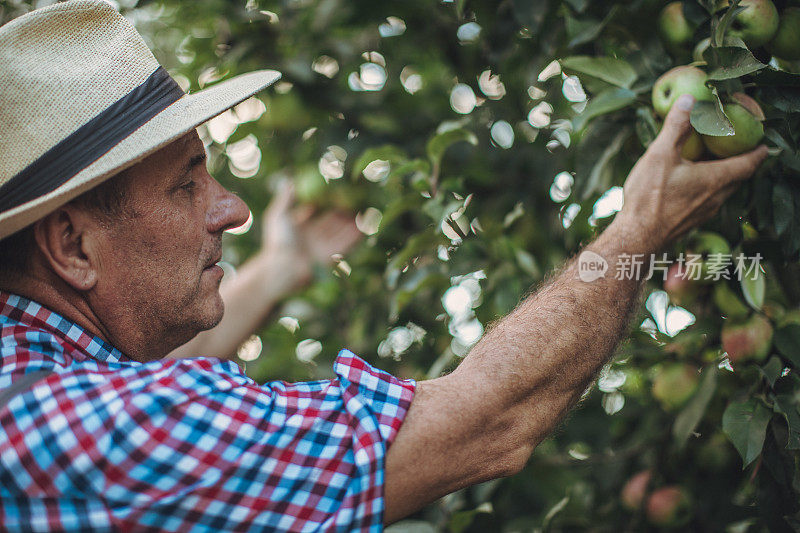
[786, 43]
[757, 24]
[746, 118]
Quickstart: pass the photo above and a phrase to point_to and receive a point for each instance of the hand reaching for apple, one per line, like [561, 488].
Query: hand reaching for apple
[298, 239]
[667, 195]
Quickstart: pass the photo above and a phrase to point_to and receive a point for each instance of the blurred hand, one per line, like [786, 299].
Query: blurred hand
[299, 238]
[666, 195]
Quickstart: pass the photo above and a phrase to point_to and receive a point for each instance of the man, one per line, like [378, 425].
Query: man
[104, 276]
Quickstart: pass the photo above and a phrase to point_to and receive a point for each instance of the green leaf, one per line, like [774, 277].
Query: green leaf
[772, 370]
[554, 510]
[604, 102]
[646, 127]
[583, 31]
[601, 172]
[708, 118]
[753, 288]
[782, 206]
[609, 69]
[787, 342]
[787, 406]
[411, 526]
[461, 520]
[718, 32]
[388, 152]
[745, 423]
[734, 62]
[690, 416]
[439, 143]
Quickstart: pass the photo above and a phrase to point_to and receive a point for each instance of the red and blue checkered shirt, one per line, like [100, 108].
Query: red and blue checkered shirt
[108, 443]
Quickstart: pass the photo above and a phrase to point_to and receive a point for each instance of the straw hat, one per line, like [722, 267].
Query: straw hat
[82, 98]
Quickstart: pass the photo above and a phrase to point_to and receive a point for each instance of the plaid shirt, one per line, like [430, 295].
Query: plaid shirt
[108, 443]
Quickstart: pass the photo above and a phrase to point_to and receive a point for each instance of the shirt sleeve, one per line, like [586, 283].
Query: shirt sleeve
[197, 445]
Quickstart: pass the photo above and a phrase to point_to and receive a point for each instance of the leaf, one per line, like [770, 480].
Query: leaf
[601, 170]
[388, 152]
[646, 127]
[439, 143]
[612, 70]
[718, 33]
[734, 62]
[772, 370]
[753, 288]
[690, 416]
[786, 406]
[709, 119]
[787, 342]
[782, 206]
[583, 31]
[461, 520]
[745, 423]
[554, 510]
[605, 102]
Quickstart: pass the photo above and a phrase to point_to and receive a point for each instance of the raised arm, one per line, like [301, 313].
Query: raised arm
[290, 247]
[484, 420]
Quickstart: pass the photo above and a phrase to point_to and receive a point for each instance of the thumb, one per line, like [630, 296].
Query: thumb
[677, 125]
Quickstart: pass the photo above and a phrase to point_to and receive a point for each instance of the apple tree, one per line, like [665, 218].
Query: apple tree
[481, 145]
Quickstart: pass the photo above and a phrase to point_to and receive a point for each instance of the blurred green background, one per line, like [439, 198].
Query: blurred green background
[481, 144]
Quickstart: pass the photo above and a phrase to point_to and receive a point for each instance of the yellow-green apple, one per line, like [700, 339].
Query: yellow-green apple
[714, 252]
[674, 384]
[673, 26]
[786, 43]
[749, 340]
[672, 84]
[756, 24]
[746, 116]
[668, 506]
[634, 490]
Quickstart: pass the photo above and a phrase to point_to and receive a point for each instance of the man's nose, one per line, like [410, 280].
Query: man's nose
[228, 210]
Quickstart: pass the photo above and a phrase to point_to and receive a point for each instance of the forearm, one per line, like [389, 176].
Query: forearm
[536, 362]
[249, 297]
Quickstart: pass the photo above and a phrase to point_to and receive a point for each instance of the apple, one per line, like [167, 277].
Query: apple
[685, 79]
[673, 26]
[747, 127]
[786, 43]
[757, 24]
[674, 384]
[681, 290]
[668, 506]
[749, 340]
[693, 148]
[713, 249]
[634, 490]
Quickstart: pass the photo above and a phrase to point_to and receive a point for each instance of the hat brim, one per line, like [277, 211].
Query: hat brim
[173, 122]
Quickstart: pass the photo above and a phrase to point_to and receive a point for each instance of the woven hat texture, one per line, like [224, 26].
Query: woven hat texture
[63, 65]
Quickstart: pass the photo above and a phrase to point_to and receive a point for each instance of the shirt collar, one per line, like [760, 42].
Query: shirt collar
[16, 309]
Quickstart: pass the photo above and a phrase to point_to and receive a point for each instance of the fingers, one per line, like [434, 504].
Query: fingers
[733, 169]
[677, 126]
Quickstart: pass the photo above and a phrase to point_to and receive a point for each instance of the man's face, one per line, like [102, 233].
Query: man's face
[157, 269]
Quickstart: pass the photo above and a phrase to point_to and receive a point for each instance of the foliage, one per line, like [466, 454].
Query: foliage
[485, 184]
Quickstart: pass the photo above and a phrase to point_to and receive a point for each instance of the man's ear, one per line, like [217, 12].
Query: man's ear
[67, 238]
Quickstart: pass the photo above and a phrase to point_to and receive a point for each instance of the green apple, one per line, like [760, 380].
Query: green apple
[701, 47]
[668, 506]
[672, 84]
[749, 340]
[757, 24]
[786, 43]
[748, 132]
[673, 26]
[693, 148]
[634, 490]
[674, 384]
[713, 249]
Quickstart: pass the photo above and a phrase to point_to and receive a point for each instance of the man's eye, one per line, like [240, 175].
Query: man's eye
[189, 186]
